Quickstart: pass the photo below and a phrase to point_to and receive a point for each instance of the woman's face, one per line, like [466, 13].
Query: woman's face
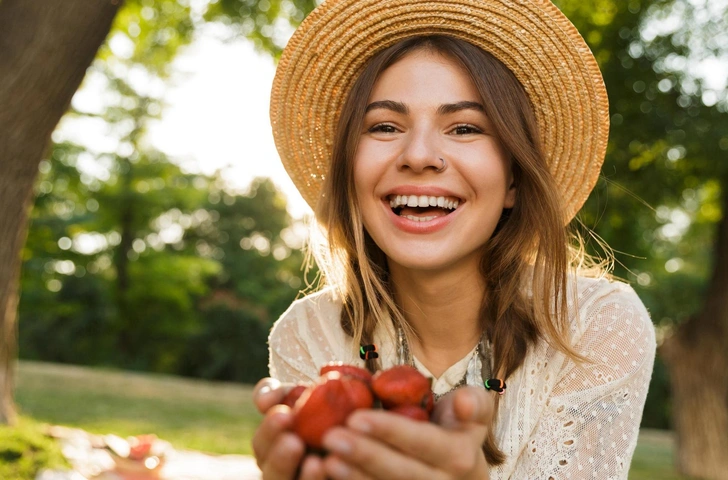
[423, 108]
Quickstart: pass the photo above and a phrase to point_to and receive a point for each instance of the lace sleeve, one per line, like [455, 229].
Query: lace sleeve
[590, 424]
[290, 359]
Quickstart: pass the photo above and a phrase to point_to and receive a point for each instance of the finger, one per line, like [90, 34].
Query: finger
[276, 421]
[444, 412]
[268, 392]
[312, 468]
[474, 405]
[470, 409]
[425, 441]
[465, 405]
[337, 469]
[283, 459]
[373, 458]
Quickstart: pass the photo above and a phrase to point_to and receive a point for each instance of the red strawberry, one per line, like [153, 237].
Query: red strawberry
[293, 395]
[412, 411]
[322, 406]
[140, 446]
[359, 393]
[401, 385]
[347, 371]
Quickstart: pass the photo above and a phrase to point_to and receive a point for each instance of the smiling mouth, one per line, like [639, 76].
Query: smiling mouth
[422, 208]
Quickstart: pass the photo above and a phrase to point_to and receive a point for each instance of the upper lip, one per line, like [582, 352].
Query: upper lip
[418, 190]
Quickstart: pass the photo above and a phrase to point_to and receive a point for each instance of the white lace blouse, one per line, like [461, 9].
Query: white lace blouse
[557, 420]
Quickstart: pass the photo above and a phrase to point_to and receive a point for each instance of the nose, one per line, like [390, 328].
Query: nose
[420, 153]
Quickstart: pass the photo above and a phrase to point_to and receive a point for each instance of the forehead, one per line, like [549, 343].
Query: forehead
[425, 76]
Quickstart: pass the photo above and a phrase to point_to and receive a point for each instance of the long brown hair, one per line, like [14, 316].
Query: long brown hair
[524, 264]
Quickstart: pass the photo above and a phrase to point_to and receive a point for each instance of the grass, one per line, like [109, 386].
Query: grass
[25, 450]
[193, 414]
[653, 458]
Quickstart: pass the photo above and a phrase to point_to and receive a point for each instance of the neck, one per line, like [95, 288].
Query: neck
[443, 308]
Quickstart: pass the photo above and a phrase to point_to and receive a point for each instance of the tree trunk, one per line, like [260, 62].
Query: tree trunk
[697, 358]
[45, 48]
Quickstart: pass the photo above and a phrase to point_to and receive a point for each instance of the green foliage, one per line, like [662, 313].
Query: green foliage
[658, 409]
[231, 345]
[658, 201]
[221, 245]
[25, 450]
[149, 33]
[127, 253]
[268, 23]
[252, 236]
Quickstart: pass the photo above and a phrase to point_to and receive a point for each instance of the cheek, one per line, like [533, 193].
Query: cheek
[368, 169]
[360, 178]
[491, 177]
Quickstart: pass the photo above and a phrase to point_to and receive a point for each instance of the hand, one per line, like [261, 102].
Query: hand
[278, 451]
[382, 445]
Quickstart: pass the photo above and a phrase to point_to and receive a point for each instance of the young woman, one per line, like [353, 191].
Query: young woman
[445, 146]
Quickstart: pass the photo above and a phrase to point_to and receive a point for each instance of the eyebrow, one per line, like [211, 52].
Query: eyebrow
[445, 109]
[456, 107]
[397, 107]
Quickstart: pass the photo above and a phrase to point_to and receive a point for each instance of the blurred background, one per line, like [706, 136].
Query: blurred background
[164, 236]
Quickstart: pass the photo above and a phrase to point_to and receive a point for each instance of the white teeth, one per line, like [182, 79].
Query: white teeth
[422, 201]
[419, 219]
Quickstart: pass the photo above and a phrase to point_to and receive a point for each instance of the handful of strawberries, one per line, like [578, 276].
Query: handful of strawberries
[341, 389]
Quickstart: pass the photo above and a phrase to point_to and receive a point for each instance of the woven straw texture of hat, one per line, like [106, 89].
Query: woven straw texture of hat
[531, 37]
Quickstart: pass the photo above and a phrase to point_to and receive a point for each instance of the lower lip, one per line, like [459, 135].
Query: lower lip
[413, 226]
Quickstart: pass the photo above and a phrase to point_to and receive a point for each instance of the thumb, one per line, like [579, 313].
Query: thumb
[267, 393]
[474, 405]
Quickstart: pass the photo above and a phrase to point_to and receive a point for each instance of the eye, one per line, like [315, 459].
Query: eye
[382, 128]
[466, 129]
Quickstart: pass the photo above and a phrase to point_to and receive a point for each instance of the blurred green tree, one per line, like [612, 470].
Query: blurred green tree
[259, 248]
[46, 47]
[168, 245]
[161, 235]
[267, 23]
[126, 255]
[97, 270]
[661, 202]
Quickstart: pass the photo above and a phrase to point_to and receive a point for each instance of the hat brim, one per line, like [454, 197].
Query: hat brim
[532, 38]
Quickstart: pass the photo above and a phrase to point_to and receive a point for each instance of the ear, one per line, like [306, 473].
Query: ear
[510, 198]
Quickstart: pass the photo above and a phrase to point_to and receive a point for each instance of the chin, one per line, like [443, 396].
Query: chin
[416, 259]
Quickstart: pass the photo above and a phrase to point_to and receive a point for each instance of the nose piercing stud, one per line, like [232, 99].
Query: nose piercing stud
[444, 165]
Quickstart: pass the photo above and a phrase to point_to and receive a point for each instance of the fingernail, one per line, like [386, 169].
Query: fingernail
[264, 390]
[282, 417]
[337, 443]
[359, 424]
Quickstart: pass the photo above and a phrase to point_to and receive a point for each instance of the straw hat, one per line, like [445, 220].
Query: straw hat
[531, 37]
